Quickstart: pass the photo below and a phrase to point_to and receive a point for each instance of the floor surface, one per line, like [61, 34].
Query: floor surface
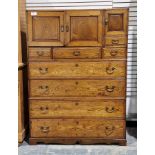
[130, 149]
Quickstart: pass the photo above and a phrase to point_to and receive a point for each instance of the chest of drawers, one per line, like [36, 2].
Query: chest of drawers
[77, 76]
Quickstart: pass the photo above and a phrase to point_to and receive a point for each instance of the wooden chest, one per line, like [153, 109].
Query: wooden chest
[77, 76]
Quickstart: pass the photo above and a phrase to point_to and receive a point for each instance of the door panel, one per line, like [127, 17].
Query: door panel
[116, 22]
[83, 28]
[46, 28]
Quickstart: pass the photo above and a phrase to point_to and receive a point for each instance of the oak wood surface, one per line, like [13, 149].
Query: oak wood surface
[116, 21]
[45, 28]
[84, 28]
[77, 53]
[116, 41]
[83, 141]
[38, 53]
[21, 126]
[76, 88]
[70, 109]
[77, 69]
[77, 92]
[77, 128]
[114, 53]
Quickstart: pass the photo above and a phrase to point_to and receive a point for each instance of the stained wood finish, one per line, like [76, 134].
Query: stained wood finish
[38, 53]
[114, 53]
[77, 88]
[77, 69]
[116, 41]
[83, 141]
[52, 109]
[77, 53]
[77, 128]
[116, 21]
[83, 28]
[21, 125]
[46, 28]
[77, 92]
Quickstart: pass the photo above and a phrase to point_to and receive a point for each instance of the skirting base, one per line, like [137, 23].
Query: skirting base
[70, 141]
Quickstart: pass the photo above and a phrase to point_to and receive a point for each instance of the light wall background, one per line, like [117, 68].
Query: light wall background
[132, 35]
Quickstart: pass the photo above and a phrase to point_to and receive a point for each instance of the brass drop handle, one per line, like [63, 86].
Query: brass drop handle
[43, 70]
[62, 28]
[115, 41]
[67, 28]
[76, 53]
[110, 110]
[44, 129]
[44, 88]
[110, 89]
[113, 52]
[109, 130]
[44, 110]
[40, 53]
[110, 70]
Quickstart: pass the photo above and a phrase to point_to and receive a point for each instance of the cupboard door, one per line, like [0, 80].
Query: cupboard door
[45, 28]
[83, 28]
[116, 22]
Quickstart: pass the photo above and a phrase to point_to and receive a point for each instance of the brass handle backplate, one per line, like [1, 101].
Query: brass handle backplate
[44, 110]
[113, 52]
[110, 70]
[110, 110]
[109, 89]
[44, 129]
[44, 89]
[76, 53]
[115, 41]
[43, 70]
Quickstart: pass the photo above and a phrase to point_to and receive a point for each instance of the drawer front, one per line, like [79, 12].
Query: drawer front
[76, 53]
[116, 41]
[40, 53]
[108, 53]
[77, 88]
[77, 128]
[79, 69]
[52, 108]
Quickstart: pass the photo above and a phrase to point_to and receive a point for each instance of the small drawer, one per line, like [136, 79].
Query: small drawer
[116, 41]
[40, 53]
[69, 109]
[77, 88]
[77, 53]
[101, 128]
[110, 52]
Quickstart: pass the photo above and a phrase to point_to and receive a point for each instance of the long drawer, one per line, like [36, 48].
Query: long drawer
[77, 69]
[76, 88]
[101, 108]
[77, 128]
